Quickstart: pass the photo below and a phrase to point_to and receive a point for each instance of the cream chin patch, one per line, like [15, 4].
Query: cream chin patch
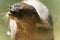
[13, 26]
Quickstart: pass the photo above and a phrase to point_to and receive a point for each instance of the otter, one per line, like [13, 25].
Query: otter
[30, 20]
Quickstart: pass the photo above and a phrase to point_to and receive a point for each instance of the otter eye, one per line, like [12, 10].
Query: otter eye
[43, 29]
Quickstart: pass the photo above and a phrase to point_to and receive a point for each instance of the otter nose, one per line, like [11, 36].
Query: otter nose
[15, 9]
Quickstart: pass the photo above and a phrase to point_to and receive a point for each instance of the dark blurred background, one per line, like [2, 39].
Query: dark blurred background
[52, 5]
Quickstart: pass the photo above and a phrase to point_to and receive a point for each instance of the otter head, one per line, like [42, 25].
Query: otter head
[29, 25]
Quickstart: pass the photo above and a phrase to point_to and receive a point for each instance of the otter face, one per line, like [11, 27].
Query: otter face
[29, 25]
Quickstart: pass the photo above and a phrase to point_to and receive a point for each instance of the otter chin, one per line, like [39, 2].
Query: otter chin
[30, 20]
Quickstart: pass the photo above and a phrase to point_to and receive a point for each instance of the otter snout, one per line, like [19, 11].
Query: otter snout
[21, 10]
[15, 9]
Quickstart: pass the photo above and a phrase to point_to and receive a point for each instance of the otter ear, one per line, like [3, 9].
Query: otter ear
[47, 20]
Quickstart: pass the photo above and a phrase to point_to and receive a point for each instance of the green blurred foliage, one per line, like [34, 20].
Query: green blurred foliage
[53, 6]
[5, 4]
